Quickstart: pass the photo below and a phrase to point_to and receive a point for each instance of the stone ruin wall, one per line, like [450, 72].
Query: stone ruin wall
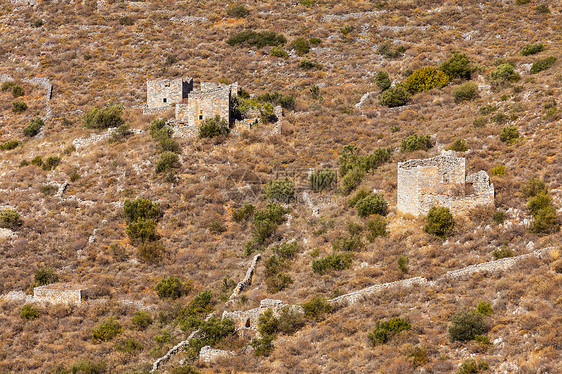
[58, 296]
[202, 105]
[163, 93]
[249, 318]
[440, 181]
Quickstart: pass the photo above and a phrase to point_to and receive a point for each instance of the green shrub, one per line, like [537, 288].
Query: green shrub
[416, 142]
[499, 118]
[349, 158]
[484, 308]
[267, 323]
[167, 161]
[457, 66]
[321, 179]
[394, 97]
[545, 221]
[543, 64]
[217, 227]
[359, 195]
[531, 49]
[522, 2]
[425, 79]
[120, 134]
[351, 180]
[45, 275]
[186, 369]
[499, 169]
[278, 51]
[439, 222]
[257, 39]
[509, 134]
[172, 288]
[7, 86]
[471, 366]
[346, 30]
[386, 330]
[287, 102]
[37, 161]
[211, 332]
[372, 204]
[9, 145]
[141, 320]
[262, 346]
[459, 145]
[191, 316]
[499, 217]
[142, 231]
[466, 324]
[389, 51]
[316, 307]
[29, 312]
[104, 118]
[465, 92]
[243, 213]
[335, 261]
[375, 159]
[382, 80]
[403, 263]
[504, 73]
[19, 106]
[17, 91]
[88, 367]
[33, 127]
[419, 356]
[141, 209]
[376, 227]
[479, 122]
[213, 127]
[351, 243]
[237, 11]
[10, 219]
[487, 109]
[290, 320]
[51, 163]
[538, 202]
[533, 187]
[48, 189]
[542, 8]
[282, 190]
[315, 41]
[108, 329]
[310, 65]
[126, 21]
[129, 346]
[301, 46]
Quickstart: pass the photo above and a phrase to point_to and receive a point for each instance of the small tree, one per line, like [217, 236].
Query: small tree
[372, 204]
[439, 222]
[321, 179]
[33, 127]
[416, 142]
[316, 308]
[168, 160]
[172, 288]
[459, 145]
[104, 118]
[213, 127]
[301, 46]
[282, 190]
[382, 80]
[394, 97]
[386, 330]
[457, 66]
[108, 329]
[45, 275]
[466, 324]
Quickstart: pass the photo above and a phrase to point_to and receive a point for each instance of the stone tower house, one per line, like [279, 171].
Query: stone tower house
[162, 94]
[440, 181]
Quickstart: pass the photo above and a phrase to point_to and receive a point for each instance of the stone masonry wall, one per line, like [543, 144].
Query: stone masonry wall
[58, 294]
[440, 181]
[163, 93]
[202, 105]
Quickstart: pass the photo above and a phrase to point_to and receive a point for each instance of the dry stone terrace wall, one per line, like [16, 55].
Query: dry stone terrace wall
[440, 181]
[59, 293]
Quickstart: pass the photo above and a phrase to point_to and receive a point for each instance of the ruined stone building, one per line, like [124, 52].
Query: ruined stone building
[441, 181]
[58, 293]
[192, 106]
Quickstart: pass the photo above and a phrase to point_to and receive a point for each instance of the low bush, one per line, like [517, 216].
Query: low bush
[542, 9]
[459, 145]
[51, 162]
[541, 65]
[7, 86]
[509, 134]
[126, 21]
[439, 222]
[141, 209]
[151, 251]
[129, 346]
[192, 315]
[531, 49]
[282, 190]
[108, 329]
[243, 213]
[504, 73]
[9, 145]
[465, 92]
[457, 66]
[372, 204]
[33, 127]
[172, 288]
[351, 180]
[350, 243]
[167, 161]
[425, 79]
[316, 308]
[290, 320]
[382, 80]
[347, 29]
[278, 51]
[403, 263]
[211, 332]
[213, 127]
[473, 367]
[499, 169]
[335, 261]
[386, 330]
[10, 219]
[120, 134]
[257, 39]
[484, 308]
[315, 41]
[142, 231]
[19, 106]
[394, 97]
[266, 222]
[28, 312]
[263, 346]
[141, 320]
[416, 142]
[17, 91]
[466, 325]
[88, 367]
[45, 275]
[390, 51]
[321, 179]
[479, 122]
[376, 227]
[310, 65]
[268, 324]
[104, 118]
[301, 46]
[237, 11]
